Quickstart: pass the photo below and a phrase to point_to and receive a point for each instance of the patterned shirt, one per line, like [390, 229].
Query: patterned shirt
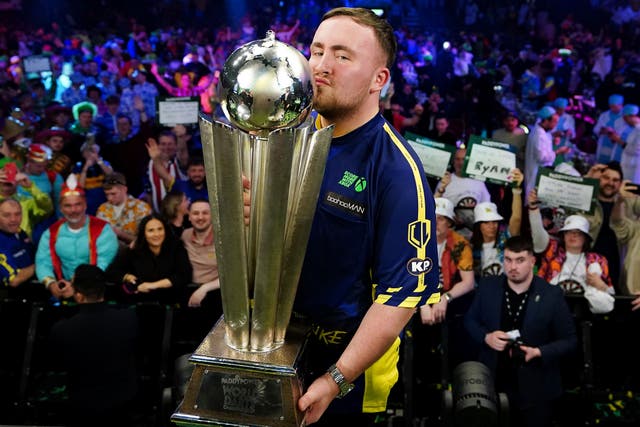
[130, 216]
[457, 256]
[148, 93]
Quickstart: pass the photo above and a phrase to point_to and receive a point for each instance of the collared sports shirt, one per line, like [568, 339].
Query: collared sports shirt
[373, 234]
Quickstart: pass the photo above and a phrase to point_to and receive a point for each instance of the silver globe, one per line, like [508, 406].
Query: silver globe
[266, 85]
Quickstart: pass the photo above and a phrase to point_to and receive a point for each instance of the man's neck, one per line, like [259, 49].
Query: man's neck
[522, 287]
[78, 225]
[606, 199]
[350, 122]
[201, 234]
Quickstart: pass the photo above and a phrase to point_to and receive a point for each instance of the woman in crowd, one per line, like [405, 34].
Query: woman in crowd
[175, 211]
[157, 268]
[568, 263]
[489, 233]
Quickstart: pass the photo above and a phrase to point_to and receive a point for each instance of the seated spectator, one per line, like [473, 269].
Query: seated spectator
[77, 238]
[630, 159]
[488, 239]
[36, 205]
[198, 240]
[175, 211]
[512, 134]
[121, 210]
[17, 252]
[568, 263]
[624, 126]
[156, 269]
[195, 187]
[107, 121]
[96, 348]
[91, 172]
[564, 131]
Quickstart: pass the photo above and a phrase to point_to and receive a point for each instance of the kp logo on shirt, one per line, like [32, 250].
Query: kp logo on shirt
[417, 266]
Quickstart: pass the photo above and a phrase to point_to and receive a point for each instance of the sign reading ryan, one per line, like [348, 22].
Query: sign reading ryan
[488, 160]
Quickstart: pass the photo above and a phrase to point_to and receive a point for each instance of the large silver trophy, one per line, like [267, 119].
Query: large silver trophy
[245, 372]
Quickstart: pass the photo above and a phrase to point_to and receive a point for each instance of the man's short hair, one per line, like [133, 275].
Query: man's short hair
[169, 133]
[112, 99]
[90, 281]
[10, 200]
[381, 28]
[615, 166]
[195, 161]
[519, 244]
[193, 202]
[113, 179]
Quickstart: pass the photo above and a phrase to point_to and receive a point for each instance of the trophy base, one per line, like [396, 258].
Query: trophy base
[241, 388]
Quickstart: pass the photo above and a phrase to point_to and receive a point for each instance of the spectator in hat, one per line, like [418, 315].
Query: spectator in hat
[48, 181]
[564, 131]
[629, 139]
[607, 150]
[624, 126]
[36, 205]
[58, 115]
[489, 234]
[540, 150]
[121, 210]
[513, 134]
[56, 138]
[569, 263]
[76, 238]
[83, 114]
[91, 171]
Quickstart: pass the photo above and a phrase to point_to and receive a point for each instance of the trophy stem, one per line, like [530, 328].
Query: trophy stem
[223, 163]
[311, 164]
[275, 176]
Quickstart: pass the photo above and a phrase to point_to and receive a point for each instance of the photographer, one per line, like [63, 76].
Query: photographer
[524, 328]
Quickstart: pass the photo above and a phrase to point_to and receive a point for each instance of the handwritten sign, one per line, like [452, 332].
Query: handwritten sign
[175, 111]
[567, 191]
[435, 156]
[488, 160]
[36, 64]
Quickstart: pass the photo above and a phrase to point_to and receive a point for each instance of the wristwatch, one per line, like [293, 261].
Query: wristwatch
[447, 296]
[344, 386]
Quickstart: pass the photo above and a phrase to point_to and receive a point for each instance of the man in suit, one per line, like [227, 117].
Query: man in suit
[96, 348]
[524, 327]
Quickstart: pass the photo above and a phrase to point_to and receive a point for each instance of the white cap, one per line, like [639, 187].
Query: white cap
[576, 222]
[486, 211]
[444, 207]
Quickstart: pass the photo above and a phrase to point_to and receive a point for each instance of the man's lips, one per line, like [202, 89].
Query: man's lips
[321, 82]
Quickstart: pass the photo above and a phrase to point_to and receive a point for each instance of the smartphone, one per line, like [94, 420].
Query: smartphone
[637, 189]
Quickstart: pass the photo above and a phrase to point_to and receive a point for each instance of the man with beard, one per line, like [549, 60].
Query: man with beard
[524, 328]
[371, 257]
[603, 237]
[195, 187]
[75, 239]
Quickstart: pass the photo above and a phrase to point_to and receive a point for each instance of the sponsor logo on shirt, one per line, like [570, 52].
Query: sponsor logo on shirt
[417, 266]
[345, 204]
[351, 179]
[419, 233]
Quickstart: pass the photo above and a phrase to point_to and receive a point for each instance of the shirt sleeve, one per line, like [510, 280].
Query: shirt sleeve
[405, 267]
[44, 265]
[107, 247]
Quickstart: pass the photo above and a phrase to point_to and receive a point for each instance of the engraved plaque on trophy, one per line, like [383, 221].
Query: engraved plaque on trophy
[248, 368]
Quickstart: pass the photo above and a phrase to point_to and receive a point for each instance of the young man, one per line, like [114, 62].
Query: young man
[123, 211]
[518, 305]
[366, 268]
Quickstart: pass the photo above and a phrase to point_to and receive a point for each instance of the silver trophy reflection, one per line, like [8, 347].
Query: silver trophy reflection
[245, 372]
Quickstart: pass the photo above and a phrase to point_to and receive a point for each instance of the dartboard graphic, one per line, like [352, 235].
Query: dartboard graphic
[571, 287]
[494, 269]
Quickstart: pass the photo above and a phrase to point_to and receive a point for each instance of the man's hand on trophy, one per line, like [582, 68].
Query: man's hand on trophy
[317, 398]
[246, 198]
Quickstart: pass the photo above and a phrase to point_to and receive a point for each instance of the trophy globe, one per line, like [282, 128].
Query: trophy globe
[266, 85]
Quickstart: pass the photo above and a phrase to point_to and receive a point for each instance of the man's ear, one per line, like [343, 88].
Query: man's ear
[79, 297]
[380, 78]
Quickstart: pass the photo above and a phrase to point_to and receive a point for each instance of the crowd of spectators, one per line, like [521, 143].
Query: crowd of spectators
[89, 176]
